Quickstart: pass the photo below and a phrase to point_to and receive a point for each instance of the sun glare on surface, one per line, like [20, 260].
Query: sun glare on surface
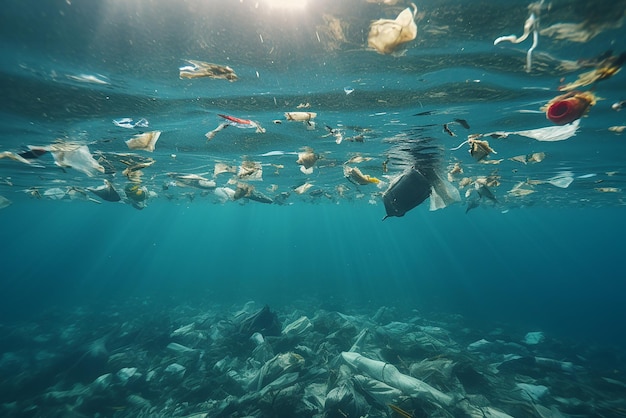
[284, 4]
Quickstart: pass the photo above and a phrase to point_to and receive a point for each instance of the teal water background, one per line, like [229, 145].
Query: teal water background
[558, 270]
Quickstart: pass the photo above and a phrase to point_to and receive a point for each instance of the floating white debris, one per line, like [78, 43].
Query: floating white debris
[551, 133]
[74, 156]
[14, 157]
[300, 116]
[529, 25]
[224, 194]
[562, 180]
[128, 123]
[55, 193]
[145, 141]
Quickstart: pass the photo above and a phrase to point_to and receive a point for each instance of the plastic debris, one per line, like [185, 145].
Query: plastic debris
[250, 170]
[355, 175]
[220, 168]
[145, 141]
[242, 123]
[192, 180]
[569, 107]
[224, 194]
[137, 194]
[389, 374]
[533, 158]
[617, 106]
[530, 25]
[298, 327]
[562, 180]
[479, 149]
[199, 69]
[15, 157]
[442, 193]
[307, 159]
[211, 134]
[128, 123]
[405, 192]
[74, 156]
[300, 116]
[546, 134]
[303, 188]
[387, 34]
[106, 192]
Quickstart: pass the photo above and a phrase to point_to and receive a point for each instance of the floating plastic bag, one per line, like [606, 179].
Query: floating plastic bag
[75, 156]
[387, 34]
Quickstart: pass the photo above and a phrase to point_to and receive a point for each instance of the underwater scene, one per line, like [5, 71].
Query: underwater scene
[312, 208]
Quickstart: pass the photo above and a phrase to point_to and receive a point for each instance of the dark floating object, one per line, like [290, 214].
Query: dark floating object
[32, 153]
[448, 130]
[259, 197]
[106, 192]
[463, 123]
[406, 192]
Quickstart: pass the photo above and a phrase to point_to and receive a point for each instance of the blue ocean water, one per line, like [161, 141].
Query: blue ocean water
[550, 260]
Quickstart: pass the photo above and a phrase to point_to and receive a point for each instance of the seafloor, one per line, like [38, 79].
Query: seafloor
[156, 358]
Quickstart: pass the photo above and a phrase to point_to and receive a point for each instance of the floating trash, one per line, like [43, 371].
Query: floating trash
[562, 180]
[387, 34]
[106, 192]
[129, 123]
[530, 26]
[300, 116]
[355, 175]
[617, 106]
[307, 159]
[569, 107]
[405, 192]
[199, 69]
[75, 156]
[145, 141]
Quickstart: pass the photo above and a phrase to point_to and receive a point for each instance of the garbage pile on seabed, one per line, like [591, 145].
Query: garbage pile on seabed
[252, 361]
